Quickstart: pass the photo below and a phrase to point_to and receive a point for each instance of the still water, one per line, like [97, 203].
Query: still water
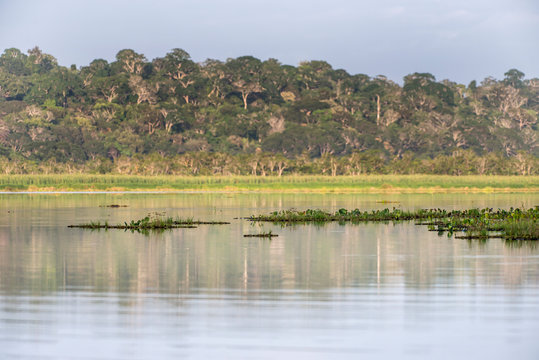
[376, 291]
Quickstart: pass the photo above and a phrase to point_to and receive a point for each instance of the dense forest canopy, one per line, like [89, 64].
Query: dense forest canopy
[172, 115]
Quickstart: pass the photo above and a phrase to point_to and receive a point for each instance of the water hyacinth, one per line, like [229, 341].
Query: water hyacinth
[512, 224]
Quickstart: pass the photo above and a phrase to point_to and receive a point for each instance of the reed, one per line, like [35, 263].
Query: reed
[361, 183]
[520, 230]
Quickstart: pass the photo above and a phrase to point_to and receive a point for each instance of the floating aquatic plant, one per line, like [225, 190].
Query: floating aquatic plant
[512, 224]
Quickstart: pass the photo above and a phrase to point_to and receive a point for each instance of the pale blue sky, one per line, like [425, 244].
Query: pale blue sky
[457, 39]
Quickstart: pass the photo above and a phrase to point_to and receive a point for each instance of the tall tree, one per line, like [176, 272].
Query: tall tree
[244, 75]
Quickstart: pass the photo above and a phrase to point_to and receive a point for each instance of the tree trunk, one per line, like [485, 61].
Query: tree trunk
[333, 167]
[378, 108]
[254, 166]
[280, 168]
[244, 96]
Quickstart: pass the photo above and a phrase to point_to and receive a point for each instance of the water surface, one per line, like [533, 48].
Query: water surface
[382, 291]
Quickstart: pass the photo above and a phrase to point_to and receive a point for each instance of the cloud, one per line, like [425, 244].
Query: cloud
[395, 11]
[389, 37]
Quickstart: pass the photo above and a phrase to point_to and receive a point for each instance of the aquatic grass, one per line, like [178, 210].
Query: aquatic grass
[185, 221]
[152, 221]
[520, 230]
[191, 221]
[303, 183]
[146, 223]
[265, 234]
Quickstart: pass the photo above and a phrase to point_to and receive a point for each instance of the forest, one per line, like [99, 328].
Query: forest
[245, 116]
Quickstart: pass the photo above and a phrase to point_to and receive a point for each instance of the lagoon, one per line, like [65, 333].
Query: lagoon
[378, 290]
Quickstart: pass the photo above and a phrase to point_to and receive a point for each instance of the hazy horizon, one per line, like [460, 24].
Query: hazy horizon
[460, 41]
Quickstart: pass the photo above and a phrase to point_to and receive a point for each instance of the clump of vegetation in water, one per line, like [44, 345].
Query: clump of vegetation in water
[265, 234]
[521, 230]
[146, 223]
[153, 221]
[512, 224]
[342, 215]
[191, 221]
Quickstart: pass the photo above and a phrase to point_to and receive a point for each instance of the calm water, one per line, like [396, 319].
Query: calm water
[380, 291]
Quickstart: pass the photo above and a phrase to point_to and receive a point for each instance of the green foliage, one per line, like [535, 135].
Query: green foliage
[512, 224]
[174, 116]
[514, 78]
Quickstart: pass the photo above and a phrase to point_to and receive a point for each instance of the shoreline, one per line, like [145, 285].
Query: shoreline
[372, 190]
[362, 184]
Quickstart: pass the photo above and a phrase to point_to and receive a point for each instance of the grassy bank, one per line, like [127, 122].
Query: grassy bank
[342, 184]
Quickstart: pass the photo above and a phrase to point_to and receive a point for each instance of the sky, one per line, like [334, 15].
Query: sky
[460, 40]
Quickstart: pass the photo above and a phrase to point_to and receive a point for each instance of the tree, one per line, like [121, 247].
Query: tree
[182, 72]
[130, 61]
[59, 85]
[244, 74]
[13, 87]
[13, 61]
[138, 113]
[275, 79]
[514, 78]
[423, 93]
[315, 74]
[380, 91]
[217, 81]
[40, 62]
[143, 89]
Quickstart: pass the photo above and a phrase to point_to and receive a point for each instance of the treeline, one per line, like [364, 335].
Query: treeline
[172, 115]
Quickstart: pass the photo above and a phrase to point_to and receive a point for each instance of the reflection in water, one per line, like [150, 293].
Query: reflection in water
[314, 291]
[303, 257]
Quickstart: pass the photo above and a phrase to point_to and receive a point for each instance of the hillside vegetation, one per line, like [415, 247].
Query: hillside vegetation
[244, 116]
